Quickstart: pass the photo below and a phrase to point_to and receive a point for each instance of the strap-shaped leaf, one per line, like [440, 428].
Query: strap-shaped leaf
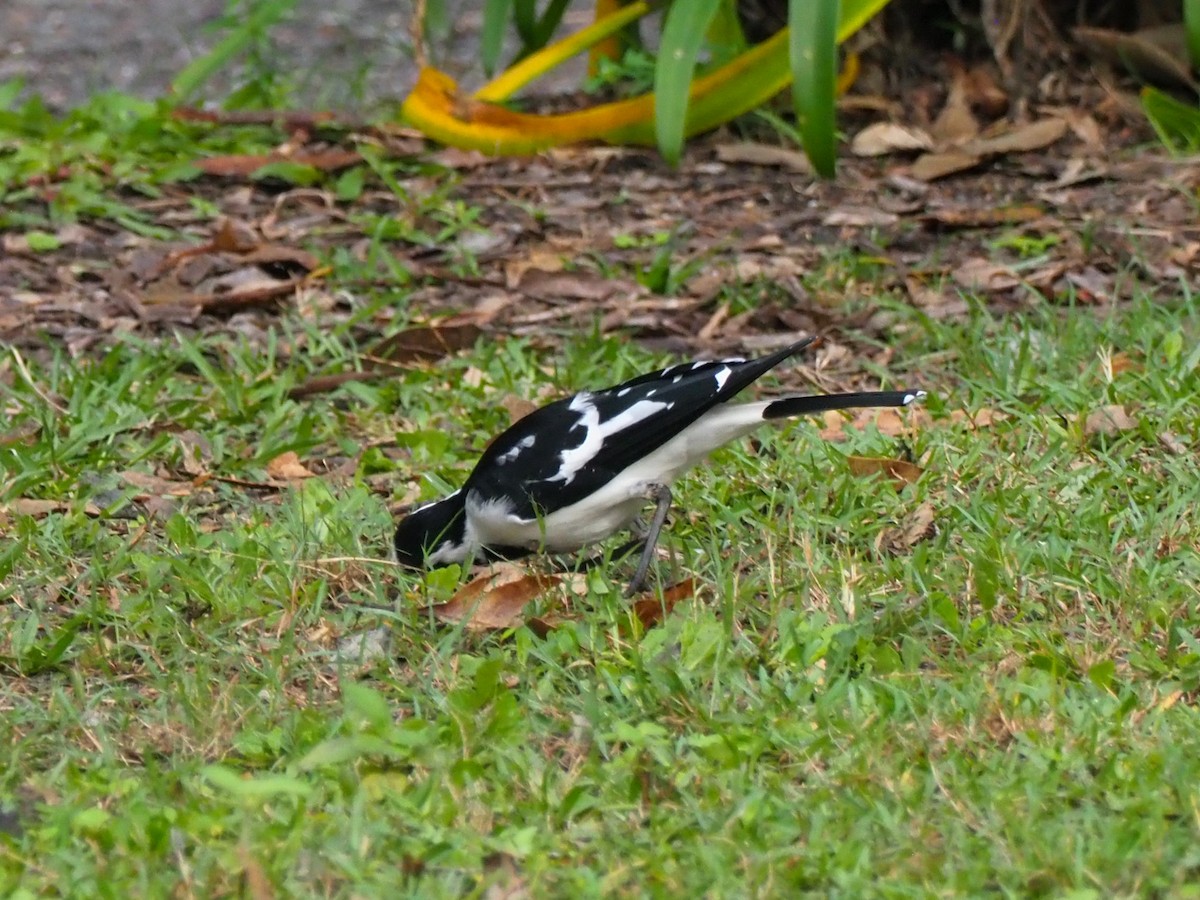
[491, 35]
[682, 37]
[813, 56]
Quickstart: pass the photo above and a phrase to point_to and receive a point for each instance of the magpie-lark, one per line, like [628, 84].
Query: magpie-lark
[584, 467]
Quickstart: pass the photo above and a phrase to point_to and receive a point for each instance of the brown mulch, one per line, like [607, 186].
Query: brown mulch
[1076, 213]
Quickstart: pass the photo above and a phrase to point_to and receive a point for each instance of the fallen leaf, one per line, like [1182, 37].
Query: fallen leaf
[942, 302]
[979, 274]
[1172, 444]
[899, 470]
[1121, 362]
[979, 418]
[517, 407]
[888, 137]
[1108, 420]
[580, 284]
[917, 527]
[231, 236]
[543, 259]
[425, 343]
[860, 217]
[650, 611]
[933, 166]
[287, 467]
[195, 452]
[956, 123]
[39, 509]
[155, 486]
[1022, 139]
[25, 433]
[763, 155]
[974, 217]
[248, 164]
[495, 600]
[889, 422]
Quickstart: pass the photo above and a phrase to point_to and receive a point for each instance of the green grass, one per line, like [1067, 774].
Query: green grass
[1005, 708]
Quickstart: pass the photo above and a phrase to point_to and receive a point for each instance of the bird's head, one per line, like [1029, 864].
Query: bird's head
[433, 535]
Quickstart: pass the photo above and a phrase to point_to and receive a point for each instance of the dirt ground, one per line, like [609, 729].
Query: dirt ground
[653, 251]
[1078, 213]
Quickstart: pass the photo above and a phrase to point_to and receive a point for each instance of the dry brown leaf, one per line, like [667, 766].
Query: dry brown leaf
[899, 470]
[1172, 444]
[517, 407]
[542, 259]
[975, 217]
[495, 600]
[937, 303]
[582, 284]
[956, 123]
[650, 611]
[888, 137]
[280, 254]
[1122, 362]
[979, 418]
[155, 486]
[39, 509]
[1108, 420]
[979, 274]
[424, 343]
[889, 422]
[248, 164]
[860, 217]
[917, 527]
[933, 166]
[1022, 139]
[763, 155]
[25, 433]
[195, 452]
[287, 467]
[230, 236]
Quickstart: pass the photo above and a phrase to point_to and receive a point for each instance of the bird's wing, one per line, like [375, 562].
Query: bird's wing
[561, 453]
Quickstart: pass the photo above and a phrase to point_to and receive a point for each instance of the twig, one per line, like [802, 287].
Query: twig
[24, 370]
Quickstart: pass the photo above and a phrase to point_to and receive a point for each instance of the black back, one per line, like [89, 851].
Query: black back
[510, 469]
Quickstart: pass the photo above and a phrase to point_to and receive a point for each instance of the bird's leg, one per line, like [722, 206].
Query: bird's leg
[661, 495]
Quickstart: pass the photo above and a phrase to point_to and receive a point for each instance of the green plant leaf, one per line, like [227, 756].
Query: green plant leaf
[1177, 124]
[262, 16]
[682, 38]
[813, 27]
[491, 35]
[257, 787]
[366, 703]
[1191, 24]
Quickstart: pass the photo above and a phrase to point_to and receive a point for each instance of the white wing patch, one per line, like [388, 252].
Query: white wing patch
[509, 455]
[595, 431]
[722, 376]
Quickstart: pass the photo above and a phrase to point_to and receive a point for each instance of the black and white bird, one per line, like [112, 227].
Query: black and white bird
[582, 468]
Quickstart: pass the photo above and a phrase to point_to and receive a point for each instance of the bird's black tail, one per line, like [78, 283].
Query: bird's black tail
[804, 406]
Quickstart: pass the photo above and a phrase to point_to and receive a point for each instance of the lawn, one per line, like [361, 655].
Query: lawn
[213, 682]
